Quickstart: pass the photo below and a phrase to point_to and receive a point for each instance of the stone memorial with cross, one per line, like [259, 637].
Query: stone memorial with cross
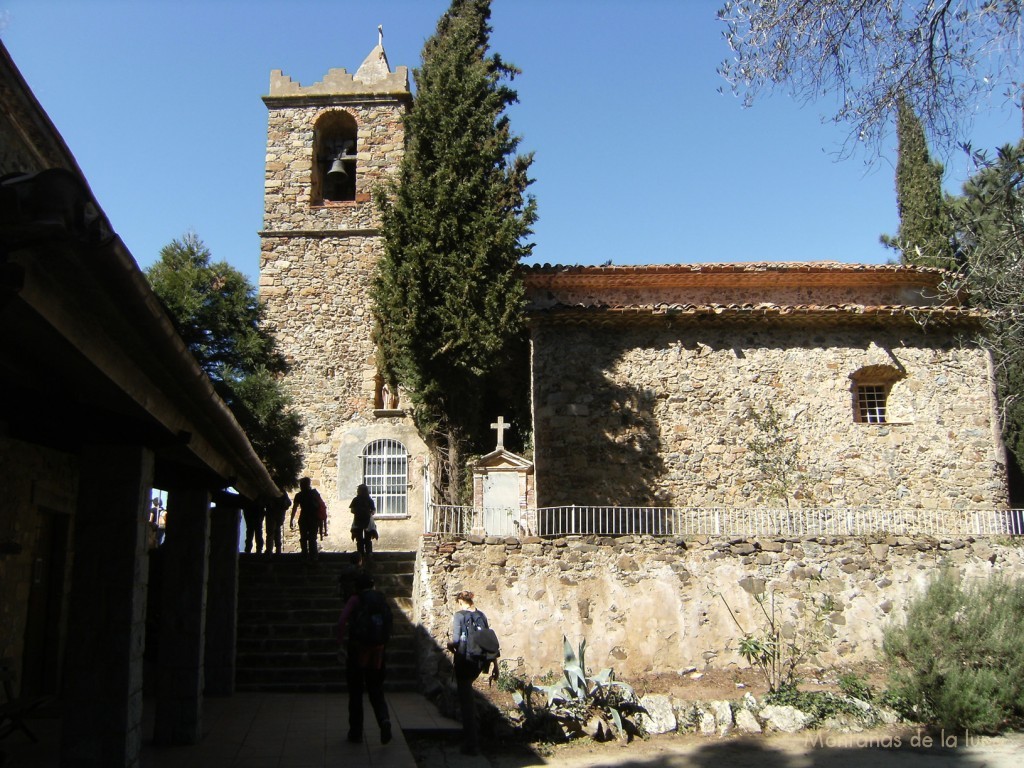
[502, 488]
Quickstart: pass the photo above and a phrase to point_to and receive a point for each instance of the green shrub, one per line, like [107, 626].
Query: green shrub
[856, 686]
[820, 705]
[775, 653]
[958, 661]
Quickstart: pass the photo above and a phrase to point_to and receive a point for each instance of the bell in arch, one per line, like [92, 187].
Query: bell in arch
[337, 171]
[339, 181]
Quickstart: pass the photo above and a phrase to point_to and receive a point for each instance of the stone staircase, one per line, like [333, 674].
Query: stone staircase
[287, 613]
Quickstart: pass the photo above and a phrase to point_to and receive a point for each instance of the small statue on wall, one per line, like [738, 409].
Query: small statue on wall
[385, 396]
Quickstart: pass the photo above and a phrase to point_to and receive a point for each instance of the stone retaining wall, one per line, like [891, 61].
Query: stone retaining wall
[648, 605]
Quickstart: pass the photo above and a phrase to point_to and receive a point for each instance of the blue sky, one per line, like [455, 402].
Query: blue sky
[639, 158]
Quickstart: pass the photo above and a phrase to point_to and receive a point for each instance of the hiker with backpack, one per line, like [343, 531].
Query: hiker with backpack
[367, 616]
[311, 507]
[362, 508]
[475, 647]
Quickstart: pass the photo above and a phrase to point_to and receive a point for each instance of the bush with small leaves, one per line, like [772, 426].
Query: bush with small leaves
[958, 660]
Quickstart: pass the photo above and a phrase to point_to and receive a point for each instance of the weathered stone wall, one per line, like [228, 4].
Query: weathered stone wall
[316, 267]
[661, 415]
[647, 605]
[33, 481]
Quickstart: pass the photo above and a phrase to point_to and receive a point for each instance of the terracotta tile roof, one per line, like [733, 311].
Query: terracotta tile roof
[923, 315]
[811, 273]
[736, 266]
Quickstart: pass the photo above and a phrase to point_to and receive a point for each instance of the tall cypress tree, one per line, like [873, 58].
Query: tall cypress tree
[926, 230]
[447, 295]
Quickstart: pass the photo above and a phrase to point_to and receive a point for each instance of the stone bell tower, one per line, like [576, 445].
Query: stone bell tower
[329, 147]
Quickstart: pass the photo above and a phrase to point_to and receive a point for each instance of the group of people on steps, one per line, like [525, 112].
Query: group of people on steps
[312, 513]
[365, 623]
[313, 519]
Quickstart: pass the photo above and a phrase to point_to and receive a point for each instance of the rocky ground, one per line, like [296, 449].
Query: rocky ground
[891, 747]
[874, 749]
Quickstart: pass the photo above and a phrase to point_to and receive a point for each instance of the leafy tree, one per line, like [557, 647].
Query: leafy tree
[989, 219]
[942, 55]
[926, 229]
[773, 455]
[217, 312]
[447, 294]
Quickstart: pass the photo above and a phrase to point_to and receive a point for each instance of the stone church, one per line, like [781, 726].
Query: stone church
[647, 381]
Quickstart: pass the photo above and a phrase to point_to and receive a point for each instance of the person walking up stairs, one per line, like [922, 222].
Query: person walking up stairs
[287, 615]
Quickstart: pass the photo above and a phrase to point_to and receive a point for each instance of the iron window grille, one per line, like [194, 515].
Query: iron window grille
[871, 403]
[386, 475]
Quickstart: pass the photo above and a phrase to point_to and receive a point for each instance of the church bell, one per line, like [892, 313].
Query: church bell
[338, 169]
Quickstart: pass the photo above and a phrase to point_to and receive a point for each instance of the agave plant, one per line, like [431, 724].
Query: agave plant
[598, 706]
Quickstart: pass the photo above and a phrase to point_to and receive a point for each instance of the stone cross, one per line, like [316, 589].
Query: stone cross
[500, 426]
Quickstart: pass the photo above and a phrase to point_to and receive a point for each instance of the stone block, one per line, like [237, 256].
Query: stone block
[784, 718]
[879, 551]
[627, 564]
[746, 722]
[660, 717]
[722, 711]
[752, 585]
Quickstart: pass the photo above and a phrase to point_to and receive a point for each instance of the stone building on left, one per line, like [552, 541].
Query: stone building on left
[101, 402]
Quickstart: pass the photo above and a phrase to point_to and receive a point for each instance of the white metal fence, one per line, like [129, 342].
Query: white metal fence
[723, 521]
[460, 521]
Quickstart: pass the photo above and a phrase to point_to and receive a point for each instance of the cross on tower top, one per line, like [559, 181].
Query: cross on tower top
[500, 426]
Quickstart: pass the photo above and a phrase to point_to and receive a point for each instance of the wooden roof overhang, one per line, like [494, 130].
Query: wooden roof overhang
[88, 355]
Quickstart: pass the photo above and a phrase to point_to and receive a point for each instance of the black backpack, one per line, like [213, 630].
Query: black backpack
[371, 623]
[482, 644]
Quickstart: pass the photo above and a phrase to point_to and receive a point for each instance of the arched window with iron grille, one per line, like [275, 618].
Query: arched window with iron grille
[386, 474]
[871, 386]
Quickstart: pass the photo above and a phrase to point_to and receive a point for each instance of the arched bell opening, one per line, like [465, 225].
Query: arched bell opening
[335, 146]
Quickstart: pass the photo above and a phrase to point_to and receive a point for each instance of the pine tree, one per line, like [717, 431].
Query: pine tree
[926, 230]
[217, 312]
[447, 295]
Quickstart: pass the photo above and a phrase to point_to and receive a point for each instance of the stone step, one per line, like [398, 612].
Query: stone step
[292, 653]
[286, 641]
[329, 675]
[288, 613]
[312, 655]
[270, 624]
[322, 586]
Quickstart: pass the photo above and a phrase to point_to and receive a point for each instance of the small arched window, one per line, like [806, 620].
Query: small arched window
[871, 386]
[335, 143]
[386, 474]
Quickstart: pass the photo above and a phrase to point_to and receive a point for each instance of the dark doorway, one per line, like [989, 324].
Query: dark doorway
[41, 666]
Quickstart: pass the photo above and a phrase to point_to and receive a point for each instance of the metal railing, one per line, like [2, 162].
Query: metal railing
[723, 521]
[461, 521]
